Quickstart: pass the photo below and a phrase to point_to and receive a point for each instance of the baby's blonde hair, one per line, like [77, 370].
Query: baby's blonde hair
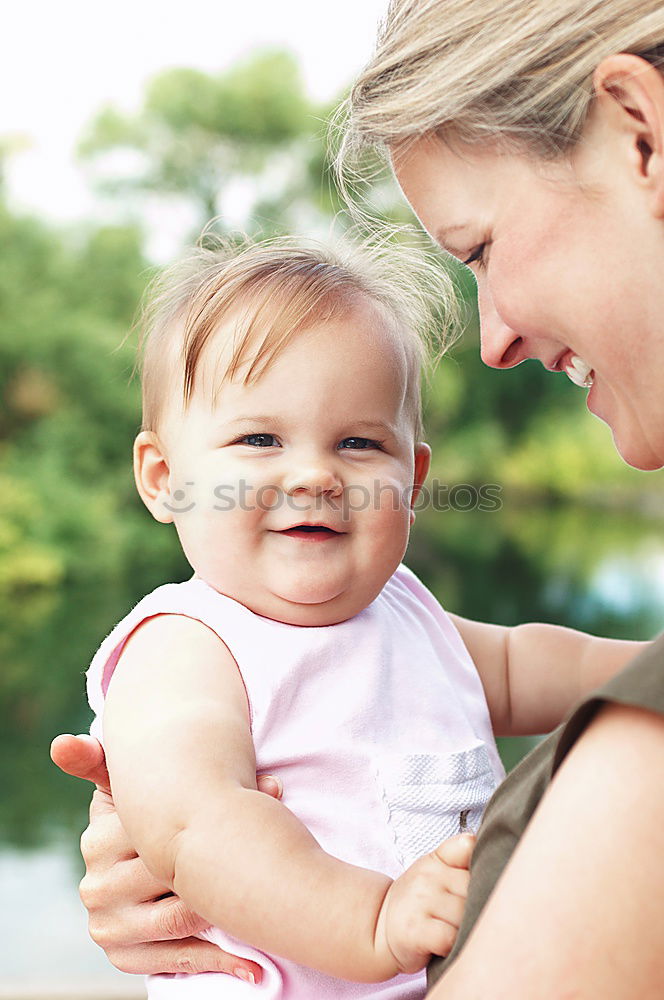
[273, 289]
[486, 70]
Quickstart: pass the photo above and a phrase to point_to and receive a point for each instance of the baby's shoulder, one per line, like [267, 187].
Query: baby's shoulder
[193, 598]
[405, 584]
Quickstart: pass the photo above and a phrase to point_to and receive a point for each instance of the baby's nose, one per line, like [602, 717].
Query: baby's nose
[315, 477]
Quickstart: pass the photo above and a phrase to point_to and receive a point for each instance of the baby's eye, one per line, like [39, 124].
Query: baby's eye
[360, 444]
[259, 440]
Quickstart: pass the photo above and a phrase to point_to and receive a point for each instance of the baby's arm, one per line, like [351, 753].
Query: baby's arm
[182, 768]
[534, 674]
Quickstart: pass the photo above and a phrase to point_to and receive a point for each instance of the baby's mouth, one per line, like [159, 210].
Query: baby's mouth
[579, 372]
[311, 531]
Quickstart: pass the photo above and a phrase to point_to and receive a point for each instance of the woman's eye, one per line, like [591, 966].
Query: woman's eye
[358, 444]
[259, 440]
[477, 256]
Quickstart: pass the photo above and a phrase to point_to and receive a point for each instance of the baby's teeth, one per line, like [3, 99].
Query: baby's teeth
[578, 372]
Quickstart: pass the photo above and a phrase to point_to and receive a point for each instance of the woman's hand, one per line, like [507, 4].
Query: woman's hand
[142, 926]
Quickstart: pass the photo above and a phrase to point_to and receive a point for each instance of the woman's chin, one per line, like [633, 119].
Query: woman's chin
[637, 453]
[630, 439]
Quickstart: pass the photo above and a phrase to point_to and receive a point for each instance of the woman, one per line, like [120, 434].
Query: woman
[529, 139]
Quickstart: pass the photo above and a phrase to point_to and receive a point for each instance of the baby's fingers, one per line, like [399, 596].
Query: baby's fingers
[428, 937]
[439, 937]
[449, 908]
[457, 851]
[446, 880]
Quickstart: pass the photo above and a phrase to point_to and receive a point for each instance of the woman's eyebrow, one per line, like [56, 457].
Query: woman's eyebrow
[442, 237]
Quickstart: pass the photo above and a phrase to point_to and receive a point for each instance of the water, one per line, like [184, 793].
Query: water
[45, 946]
[600, 571]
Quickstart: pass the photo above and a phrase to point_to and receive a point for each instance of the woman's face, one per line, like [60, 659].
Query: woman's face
[568, 258]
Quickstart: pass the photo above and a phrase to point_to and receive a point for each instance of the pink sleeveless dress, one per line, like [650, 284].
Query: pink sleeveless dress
[378, 728]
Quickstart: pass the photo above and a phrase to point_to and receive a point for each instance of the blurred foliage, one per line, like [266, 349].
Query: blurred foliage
[76, 546]
[196, 134]
[72, 541]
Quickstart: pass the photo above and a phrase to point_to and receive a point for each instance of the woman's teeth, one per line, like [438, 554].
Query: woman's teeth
[579, 372]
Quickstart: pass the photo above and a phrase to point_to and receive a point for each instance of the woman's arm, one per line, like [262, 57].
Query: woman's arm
[176, 707]
[534, 674]
[578, 911]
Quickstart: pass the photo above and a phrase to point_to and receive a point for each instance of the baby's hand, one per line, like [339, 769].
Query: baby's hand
[422, 910]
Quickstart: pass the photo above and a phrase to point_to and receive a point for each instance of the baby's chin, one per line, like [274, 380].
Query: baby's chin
[312, 605]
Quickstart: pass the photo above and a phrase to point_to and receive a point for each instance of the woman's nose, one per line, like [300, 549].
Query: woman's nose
[500, 346]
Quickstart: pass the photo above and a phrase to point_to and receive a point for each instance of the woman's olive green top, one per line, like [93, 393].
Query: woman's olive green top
[640, 685]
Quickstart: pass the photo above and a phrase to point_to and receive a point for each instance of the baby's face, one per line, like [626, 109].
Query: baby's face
[292, 494]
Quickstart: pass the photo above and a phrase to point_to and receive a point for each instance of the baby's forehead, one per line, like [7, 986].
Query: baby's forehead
[242, 351]
[192, 342]
[354, 364]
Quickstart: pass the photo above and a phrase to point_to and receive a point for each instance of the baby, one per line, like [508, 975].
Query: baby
[281, 436]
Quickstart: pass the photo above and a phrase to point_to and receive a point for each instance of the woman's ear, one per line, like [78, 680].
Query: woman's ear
[151, 474]
[630, 92]
[422, 463]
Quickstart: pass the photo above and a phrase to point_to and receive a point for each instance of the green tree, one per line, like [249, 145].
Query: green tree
[196, 133]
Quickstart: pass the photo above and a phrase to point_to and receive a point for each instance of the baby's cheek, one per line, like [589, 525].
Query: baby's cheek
[390, 521]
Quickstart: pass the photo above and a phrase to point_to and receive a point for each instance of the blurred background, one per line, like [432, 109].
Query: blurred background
[123, 130]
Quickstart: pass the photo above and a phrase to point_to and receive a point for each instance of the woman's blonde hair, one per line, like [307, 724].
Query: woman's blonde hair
[519, 71]
[264, 293]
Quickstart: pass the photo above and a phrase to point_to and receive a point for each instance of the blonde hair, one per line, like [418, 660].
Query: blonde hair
[475, 70]
[270, 291]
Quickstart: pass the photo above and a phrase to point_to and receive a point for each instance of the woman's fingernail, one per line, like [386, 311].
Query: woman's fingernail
[245, 975]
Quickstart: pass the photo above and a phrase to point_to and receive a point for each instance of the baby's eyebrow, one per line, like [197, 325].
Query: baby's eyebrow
[257, 419]
[371, 426]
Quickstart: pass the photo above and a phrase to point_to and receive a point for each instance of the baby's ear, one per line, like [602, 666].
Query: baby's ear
[422, 463]
[151, 474]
